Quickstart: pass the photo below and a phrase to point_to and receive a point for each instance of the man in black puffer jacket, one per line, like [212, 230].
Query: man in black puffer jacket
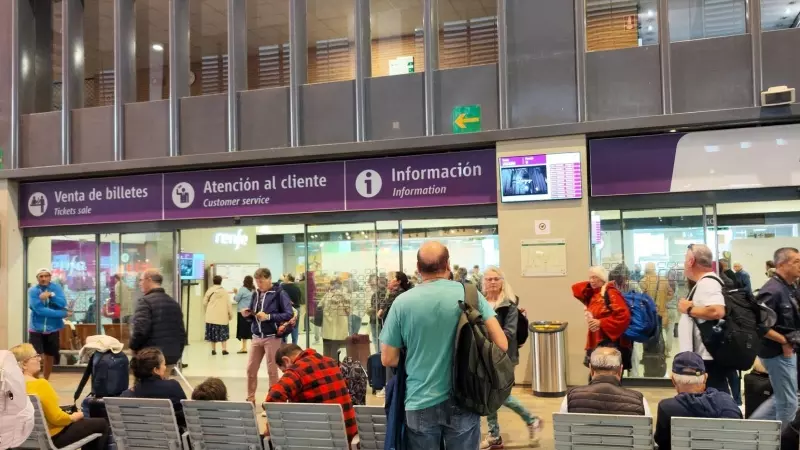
[158, 320]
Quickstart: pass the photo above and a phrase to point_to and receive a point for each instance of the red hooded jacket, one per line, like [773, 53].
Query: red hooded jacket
[613, 322]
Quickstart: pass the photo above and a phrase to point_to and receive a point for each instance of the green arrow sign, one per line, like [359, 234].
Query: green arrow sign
[466, 119]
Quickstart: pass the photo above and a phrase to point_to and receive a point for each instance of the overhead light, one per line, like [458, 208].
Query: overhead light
[650, 13]
[158, 47]
[788, 11]
[649, 28]
[673, 131]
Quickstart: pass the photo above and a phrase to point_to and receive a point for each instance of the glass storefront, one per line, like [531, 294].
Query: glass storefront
[652, 244]
[343, 267]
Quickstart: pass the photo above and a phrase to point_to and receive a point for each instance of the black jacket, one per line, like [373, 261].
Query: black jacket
[508, 316]
[781, 297]
[158, 322]
[605, 395]
[295, 295]
[710, 404]
[158, 388]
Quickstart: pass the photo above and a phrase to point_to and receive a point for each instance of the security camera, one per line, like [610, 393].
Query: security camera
[777, 96]
[237, 220]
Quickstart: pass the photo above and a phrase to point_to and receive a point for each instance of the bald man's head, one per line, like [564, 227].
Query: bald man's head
[433, 259]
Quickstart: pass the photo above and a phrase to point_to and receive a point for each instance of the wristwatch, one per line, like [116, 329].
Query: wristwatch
[689, 311]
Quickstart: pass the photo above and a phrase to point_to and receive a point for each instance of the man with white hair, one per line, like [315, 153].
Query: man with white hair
[604, 393]
[694, 399]
[705, 302]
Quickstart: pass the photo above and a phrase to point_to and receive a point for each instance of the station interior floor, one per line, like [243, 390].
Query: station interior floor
[231, 369]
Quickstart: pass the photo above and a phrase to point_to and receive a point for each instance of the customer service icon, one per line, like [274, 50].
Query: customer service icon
[183, 195]
[368, 183]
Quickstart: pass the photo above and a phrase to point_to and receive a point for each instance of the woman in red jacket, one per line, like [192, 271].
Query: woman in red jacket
[606, 313]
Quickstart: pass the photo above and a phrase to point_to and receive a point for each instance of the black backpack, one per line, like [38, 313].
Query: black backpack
[522, 327]
[483, 375]
[735, 340]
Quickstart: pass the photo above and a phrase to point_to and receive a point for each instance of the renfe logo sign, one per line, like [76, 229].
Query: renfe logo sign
[237, 240]
[463, 178]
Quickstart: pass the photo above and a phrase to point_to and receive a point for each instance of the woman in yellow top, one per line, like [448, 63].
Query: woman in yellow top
[65, 429]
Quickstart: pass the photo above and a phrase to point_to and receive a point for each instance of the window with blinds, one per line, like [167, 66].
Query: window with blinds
[468, 43]
[214, 74]
[273, 66]
[105, 88]
[331, 61]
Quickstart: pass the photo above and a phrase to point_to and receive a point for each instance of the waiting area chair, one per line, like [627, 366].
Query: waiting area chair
[602, 432]
[40, 437]
[371, 421]
[221, 426]
[143, 423]
[693, 433]
[302, 426]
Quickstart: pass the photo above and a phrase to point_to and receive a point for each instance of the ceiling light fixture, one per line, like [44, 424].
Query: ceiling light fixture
[788, 11]
[158, 47]
[649, 28]
[673, 131]
[650, 13]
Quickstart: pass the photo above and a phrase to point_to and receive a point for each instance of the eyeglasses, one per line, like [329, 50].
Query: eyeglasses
[493, 279]
[33, 357]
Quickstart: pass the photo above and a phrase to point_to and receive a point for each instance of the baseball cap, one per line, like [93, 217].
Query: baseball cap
[688, 363]
[43, 270]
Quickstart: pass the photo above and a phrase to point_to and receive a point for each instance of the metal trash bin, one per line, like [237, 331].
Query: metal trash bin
[549, 358]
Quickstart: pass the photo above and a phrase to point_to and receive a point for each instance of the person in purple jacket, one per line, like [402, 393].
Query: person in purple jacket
[269, 309]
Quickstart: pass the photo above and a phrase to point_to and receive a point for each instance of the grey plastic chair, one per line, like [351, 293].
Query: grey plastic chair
[40, 437]
[301, 426]
[221, 426]
[693, 433]
[602, 432]
[143, 423]
[371, 422]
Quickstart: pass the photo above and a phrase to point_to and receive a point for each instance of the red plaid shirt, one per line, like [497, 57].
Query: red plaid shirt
[310, 369]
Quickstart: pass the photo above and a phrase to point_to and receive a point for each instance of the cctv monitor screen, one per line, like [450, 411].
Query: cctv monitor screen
[529, 178]
[192, 265]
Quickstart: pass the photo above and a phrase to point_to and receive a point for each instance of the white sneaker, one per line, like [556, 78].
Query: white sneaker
[533, 432]
[381, 393]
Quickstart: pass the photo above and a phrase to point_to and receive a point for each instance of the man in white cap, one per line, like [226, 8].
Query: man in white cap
[48, 307]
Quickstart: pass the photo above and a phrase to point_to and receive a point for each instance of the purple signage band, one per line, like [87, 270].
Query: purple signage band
[254, 191]
[446, 179]
[103, 200]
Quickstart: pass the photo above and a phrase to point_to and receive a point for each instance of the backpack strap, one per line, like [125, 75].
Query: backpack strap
[85, 378]
[471, 295]
[607, 299]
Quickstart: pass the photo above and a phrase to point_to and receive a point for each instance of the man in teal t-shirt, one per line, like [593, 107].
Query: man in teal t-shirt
[423, 321]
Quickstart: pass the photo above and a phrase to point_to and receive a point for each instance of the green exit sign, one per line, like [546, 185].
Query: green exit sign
[466, 119]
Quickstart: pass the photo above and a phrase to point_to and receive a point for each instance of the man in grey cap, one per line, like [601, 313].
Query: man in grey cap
[48, 306]
[694, 399]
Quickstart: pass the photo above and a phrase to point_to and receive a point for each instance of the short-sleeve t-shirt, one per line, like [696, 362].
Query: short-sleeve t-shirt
[423, 320]
[707, 292]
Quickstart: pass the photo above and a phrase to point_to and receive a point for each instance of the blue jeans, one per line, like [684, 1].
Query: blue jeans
[427, 428]
[513, 404]
[783, 377]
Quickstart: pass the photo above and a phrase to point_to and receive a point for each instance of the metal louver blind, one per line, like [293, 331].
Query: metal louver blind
[214, 74]
[419, 50]
[273, 66]
[469, 42]
[333, 61]
[105, 88]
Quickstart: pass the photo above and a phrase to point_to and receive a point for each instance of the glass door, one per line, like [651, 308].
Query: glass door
[342, 266]
[653, 247]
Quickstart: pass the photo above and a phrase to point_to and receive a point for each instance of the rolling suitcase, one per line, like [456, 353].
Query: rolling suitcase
[376, 373]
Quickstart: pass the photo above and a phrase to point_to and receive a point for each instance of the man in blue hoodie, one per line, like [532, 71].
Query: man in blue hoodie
[694, 399]
[48, 307]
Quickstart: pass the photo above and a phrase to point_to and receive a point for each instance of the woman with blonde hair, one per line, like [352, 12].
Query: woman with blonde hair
[64, 429]
[501, 298]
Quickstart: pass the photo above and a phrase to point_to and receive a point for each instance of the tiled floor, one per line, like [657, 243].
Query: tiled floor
[231, 371]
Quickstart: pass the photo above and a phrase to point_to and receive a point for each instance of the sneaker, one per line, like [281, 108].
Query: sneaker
[492, 443]
[534, 428]
[381, 393]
